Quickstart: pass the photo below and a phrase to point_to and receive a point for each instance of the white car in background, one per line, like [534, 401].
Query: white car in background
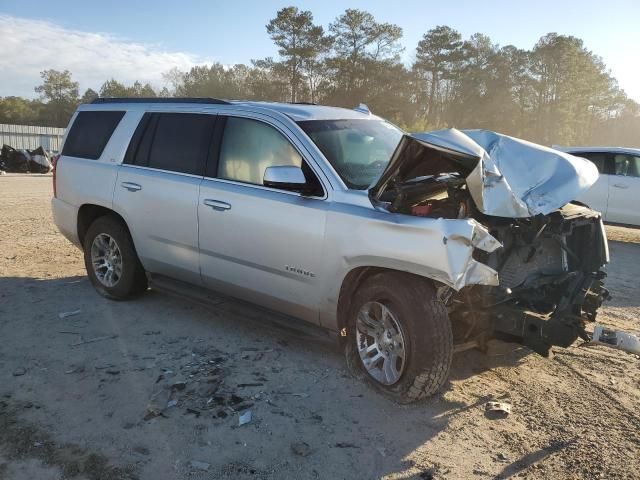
[618, 188]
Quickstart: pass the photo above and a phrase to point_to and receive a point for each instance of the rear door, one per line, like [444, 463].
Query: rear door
[157, 190]
[258, 243]
[624, 189]
[597, 197]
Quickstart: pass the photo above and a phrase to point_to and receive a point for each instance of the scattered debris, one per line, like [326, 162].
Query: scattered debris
[18, 372]
[63, 315]
[141, 450]
[152, 411]
[172, 403]
[301, 448]
[176, 386]
[92, 340]
[104, 366]
[500, 407]
[244, 418]
[301, 395]
[196, 465]
[316, 418]
[75, 369]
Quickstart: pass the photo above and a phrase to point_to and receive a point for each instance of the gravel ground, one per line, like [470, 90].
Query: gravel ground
[86, 396]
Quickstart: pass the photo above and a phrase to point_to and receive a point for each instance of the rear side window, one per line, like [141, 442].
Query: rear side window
[178, 142]
[90, 133]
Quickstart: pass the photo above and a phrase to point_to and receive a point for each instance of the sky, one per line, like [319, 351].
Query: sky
[139, 40]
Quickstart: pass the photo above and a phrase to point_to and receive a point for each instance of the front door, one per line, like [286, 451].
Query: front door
[258, 243]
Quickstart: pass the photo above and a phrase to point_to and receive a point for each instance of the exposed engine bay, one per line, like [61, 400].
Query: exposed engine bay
[549, 266]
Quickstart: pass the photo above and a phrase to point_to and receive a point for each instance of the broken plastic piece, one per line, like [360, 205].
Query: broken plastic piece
[503, 407]
[63, 315]
[244, 418]
[616, 339]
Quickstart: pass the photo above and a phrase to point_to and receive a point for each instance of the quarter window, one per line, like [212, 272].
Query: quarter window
[90, 133]
[249, 147]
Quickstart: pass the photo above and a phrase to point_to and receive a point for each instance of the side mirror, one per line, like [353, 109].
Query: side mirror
[285, 177]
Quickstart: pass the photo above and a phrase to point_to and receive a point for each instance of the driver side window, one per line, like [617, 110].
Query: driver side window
[249, 147]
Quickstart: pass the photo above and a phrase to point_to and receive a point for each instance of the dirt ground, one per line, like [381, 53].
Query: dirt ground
[154, 388]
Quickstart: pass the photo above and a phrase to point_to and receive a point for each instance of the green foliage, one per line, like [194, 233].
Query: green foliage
[113, 88]
[59, 95]
[557, 93]
[300, 43]
[20, 111]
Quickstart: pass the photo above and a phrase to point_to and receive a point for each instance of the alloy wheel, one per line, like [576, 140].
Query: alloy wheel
[380, 343]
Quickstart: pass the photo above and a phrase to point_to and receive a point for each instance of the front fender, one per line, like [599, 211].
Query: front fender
[438, 249]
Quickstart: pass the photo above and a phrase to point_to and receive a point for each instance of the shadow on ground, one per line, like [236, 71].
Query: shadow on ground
[99, 369]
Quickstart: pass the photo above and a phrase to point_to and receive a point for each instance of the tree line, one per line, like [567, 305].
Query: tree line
[558, 92]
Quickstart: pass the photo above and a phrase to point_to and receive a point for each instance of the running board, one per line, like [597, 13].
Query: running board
[211, 299]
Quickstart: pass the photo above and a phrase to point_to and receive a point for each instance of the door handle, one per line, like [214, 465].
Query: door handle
[217, 204]
[620, 185]
[132, 187]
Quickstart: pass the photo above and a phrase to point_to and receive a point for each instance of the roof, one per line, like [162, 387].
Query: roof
[576, 150]
[295, 111]
[302, 111]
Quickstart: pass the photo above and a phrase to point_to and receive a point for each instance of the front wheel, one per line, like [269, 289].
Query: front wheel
[399, 336]
[111, 260]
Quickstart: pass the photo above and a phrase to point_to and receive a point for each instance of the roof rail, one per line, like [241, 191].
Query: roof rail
[362, 108]
[160, 100]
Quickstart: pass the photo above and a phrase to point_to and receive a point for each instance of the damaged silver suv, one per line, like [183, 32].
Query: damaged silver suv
[407, 247]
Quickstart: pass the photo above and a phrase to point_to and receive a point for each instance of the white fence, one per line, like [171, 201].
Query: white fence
[30, 137]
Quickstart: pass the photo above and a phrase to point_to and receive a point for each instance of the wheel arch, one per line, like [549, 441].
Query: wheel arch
[355, 278]
[89, 213]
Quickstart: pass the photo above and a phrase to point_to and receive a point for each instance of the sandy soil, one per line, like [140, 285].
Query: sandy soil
[86, 396]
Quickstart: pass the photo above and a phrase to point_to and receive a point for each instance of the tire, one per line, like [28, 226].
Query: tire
[426, 331]
[132, 280]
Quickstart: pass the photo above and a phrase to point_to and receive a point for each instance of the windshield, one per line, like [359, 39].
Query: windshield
[359, 149]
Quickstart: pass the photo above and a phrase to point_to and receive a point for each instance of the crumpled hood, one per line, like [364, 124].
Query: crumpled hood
[506, 176]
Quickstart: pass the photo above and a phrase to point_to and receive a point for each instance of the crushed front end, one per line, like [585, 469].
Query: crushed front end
[551, 281]
[549, 266]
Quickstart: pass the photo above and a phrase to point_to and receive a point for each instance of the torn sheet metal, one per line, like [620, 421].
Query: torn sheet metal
[441, 249]
[506, 176]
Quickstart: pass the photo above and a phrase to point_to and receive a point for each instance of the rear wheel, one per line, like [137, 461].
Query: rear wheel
[111, 260]
[399, 336]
